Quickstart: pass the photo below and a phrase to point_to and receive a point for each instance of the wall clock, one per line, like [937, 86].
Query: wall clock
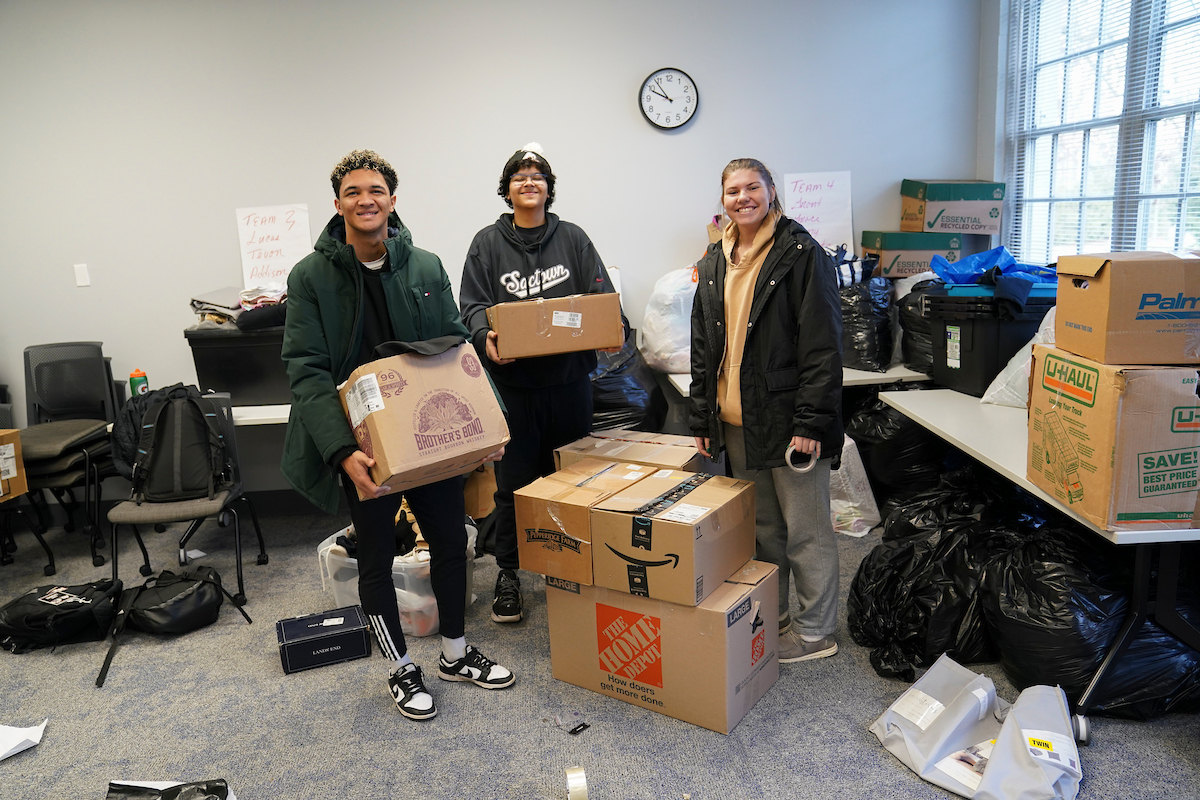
[668, 98]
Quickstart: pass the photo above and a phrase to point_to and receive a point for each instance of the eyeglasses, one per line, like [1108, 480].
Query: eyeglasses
[536, 177]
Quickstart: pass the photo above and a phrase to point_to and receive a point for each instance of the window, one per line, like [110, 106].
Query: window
[1103, 141]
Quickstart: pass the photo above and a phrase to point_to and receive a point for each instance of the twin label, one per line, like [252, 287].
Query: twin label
[1168, 472]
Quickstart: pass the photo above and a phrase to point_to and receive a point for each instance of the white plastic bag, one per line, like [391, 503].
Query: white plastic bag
[1011, 386]
[667, 323]
[852, 506]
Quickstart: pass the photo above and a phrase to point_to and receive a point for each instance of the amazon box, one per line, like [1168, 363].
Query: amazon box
[1129, 308]
[673, 536]
[1119, 444]
[707, 665]
[12, 467]
[424, 418]
[951, 206]
[546, 326]
[554, 531]
[665, 453]
[902, 254]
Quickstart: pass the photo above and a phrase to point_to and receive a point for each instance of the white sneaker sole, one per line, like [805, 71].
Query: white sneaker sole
[448, 677]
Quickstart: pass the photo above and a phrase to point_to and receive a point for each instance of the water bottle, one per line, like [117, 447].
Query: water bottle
[138, 383]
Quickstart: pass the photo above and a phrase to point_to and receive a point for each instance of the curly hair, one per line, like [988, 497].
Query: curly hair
[363, 159]
[763, 173]
[518, 163]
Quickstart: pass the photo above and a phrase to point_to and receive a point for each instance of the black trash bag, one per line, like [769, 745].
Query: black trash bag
[624, 392]
[1054, 601]
[916, 340]
[867, 325]
[201, 790]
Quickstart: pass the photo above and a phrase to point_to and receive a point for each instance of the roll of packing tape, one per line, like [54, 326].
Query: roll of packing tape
[812, 462]
[576, 784]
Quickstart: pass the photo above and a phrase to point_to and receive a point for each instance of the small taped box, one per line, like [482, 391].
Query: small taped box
[318, 640]
[12, 467]
[548, 326]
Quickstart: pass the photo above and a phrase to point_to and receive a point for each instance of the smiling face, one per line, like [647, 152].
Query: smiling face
[527, 192]
[364, 201]
[747, 197]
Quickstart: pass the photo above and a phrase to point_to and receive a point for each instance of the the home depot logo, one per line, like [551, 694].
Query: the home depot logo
[629, 644]
[1071, 380]
[1185, 419]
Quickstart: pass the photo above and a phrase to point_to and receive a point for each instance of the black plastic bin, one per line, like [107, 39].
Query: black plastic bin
[247, 364]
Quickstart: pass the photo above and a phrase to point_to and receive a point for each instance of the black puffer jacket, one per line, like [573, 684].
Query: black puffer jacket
[792, 364]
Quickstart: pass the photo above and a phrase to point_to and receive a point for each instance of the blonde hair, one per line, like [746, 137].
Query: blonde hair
[763, 173]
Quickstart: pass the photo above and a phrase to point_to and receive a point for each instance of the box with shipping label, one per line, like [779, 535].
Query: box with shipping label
[673, 536]
[424, 418]
[554, 534]
[902, 254]
[317, 640]
[663, 454]
[1129, 308]
[707, 665]
[12, 467]
[546, 326]
[1119, 444]
[951, 206]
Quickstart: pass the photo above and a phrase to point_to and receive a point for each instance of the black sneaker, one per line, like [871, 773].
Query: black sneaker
[476, 668]
[407, 689]
[507, 605]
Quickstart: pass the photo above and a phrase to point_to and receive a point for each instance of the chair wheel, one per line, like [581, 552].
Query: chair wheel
[97, 561]
[239, 599]
[5, 560]
[145, 570]
[160, 528]
[69, 527]
[1083, 729]
[49, 569]
[262, 559]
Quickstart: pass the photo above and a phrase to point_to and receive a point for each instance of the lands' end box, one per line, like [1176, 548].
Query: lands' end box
[424, 418]
[318, 640]
[902, 253]
[707, 665]
[951, 206]
[1129, 308]
[12, 467]
[1119, 444]
[546, 326]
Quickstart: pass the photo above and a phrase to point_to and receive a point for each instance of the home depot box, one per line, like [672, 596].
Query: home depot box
[903, 253]
[1119, 444]
[1129, 308]
[706, 665]
[951, 206]
[424, 418]
[673, 536]
[12, 467]
[554, 532]
[317, 640]
[668, 454]
[545, 326]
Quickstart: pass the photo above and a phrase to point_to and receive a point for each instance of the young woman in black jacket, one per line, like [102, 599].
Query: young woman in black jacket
[767, 380]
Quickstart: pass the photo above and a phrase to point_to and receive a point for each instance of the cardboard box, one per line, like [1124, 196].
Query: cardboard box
[318, 640]
[424, 418]
[706, 665]
[1119, 444]
[673, 536]
[554, 532]
[12, 467]
[668, 455]
[951, 206]
[644, 437]
[903, 254]
[1129, 308]
[546, 326]
[479, 492]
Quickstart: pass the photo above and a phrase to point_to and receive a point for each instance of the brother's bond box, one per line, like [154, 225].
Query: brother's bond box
[673, 536]
[318, 640]
[554, 533]
[671, 453]
[1119, 444]
[546, 326]
[424, 418]
[707, 665]
[12, 468]
[935, 206]
[901, 253]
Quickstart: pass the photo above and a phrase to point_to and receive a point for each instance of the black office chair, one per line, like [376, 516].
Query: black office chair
[195, 511]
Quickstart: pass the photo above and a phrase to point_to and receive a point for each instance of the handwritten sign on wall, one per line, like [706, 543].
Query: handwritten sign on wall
[820, 201]
[273, 239]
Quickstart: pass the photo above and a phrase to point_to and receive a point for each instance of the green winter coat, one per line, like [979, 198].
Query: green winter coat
[323, 334]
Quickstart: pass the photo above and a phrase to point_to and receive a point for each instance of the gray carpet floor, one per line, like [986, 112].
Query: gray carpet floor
[216, 703]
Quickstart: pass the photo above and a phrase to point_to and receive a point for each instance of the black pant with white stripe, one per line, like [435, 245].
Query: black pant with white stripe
[440, 513]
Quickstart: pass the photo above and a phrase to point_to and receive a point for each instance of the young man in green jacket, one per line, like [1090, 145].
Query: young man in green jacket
[363, 285]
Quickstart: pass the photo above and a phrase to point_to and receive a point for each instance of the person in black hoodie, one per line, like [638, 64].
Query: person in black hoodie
[527, 254]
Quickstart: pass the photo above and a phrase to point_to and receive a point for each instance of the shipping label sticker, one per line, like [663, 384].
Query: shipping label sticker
[8, 461]
[684, 512]
[567, 319]
[363, 399]
[1054, 748]
[662, 473]
[918, 708]
[629, 647]
[953, 347]
[1168, 472]
[967, 766]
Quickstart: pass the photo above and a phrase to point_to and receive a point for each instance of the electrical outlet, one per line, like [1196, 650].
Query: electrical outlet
[81, 275]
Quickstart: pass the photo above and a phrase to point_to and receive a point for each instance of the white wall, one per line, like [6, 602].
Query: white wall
[132, 130]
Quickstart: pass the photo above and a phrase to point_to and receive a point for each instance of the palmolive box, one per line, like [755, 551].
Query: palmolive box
[673, 536]
[666, 454]
[1119, 444]
[903, 253]
[951, 206]
[554, 532]
[424, 418]
[12, 467]
[1129, 308]
[707, 665]
[546, 326]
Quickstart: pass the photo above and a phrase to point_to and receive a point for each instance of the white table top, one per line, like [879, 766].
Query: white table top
[850, 377]
[260, 415]
[998, 437]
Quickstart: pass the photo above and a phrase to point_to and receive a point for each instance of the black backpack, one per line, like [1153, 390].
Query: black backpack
[52, 615]
[127, 427]
[181, 452]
